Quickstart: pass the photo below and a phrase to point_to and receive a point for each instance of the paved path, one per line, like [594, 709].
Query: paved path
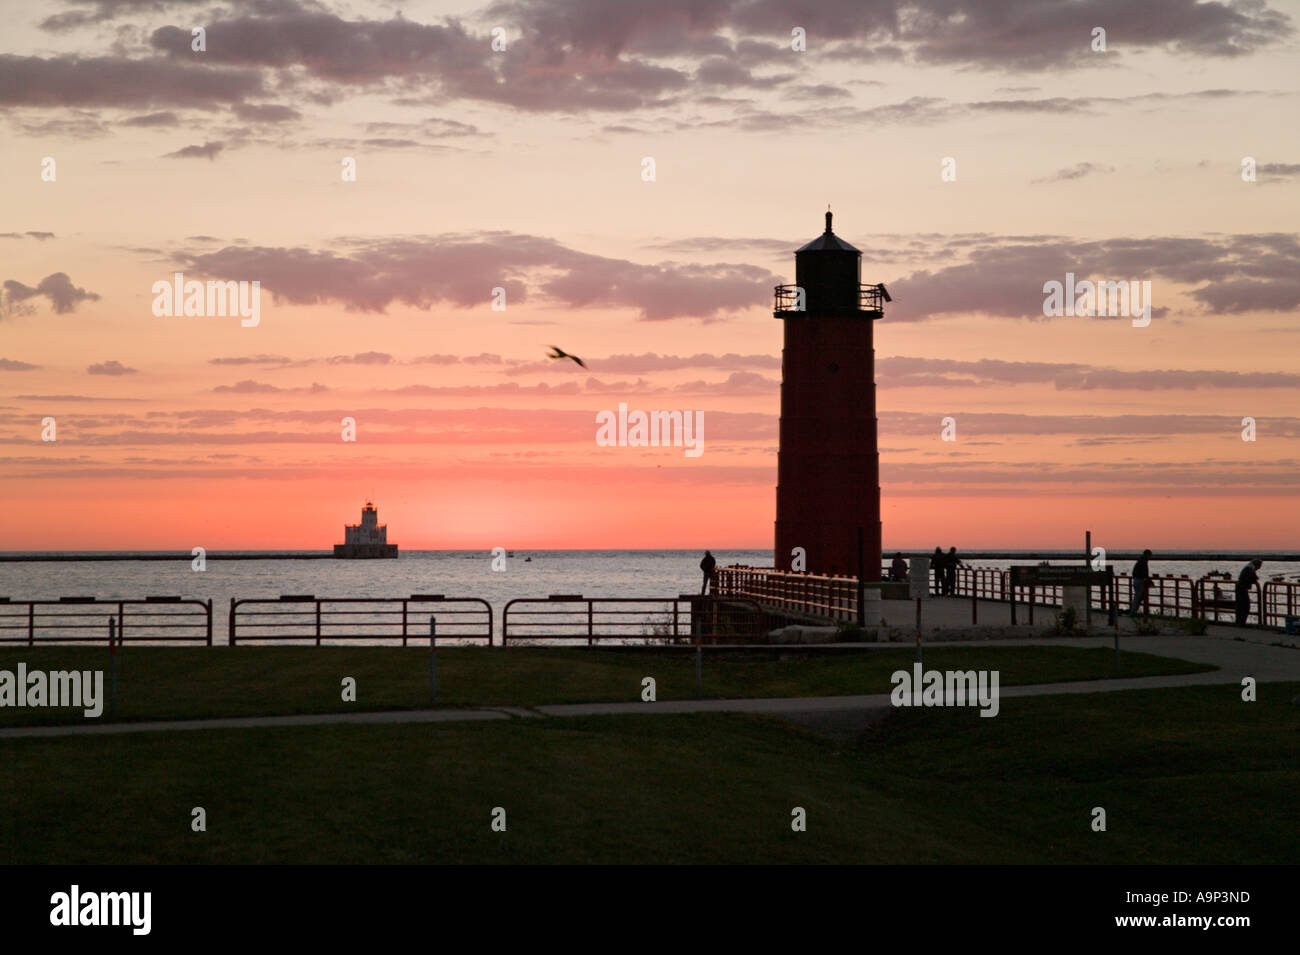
[1234, 658]
[1249, 657]
[820, 704]
[245, 722]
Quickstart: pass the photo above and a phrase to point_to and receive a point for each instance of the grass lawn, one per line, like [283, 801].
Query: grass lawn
[180, 683]
[1186, 775]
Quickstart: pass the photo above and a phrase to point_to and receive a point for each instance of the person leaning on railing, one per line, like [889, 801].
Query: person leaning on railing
[950, 564]
[1141, 582]
[1246, 581]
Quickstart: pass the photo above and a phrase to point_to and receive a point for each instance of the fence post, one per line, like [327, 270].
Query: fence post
[113, 634]
[209, 621]
[918, 629]
[403, 622]
[433, 659]
[861, 589]
[699, 669]
[230, 626]
[318, 622]
[31, 624]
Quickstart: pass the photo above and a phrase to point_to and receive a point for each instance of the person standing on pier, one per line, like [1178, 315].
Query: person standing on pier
[898, 569]
[950, 565]
[1246, 580]
[1141, 581]
[937, 564]
[707, 565]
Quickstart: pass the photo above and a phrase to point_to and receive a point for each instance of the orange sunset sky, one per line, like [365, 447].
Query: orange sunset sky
[522, 169]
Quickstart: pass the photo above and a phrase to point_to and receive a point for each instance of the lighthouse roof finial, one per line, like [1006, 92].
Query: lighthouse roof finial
[827, 241]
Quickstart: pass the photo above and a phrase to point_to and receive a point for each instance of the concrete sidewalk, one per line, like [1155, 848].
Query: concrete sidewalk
[1235, 658]
[822, 704]
[246, 722]
[956, 613]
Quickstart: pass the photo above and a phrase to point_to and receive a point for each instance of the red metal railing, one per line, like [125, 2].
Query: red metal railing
[820, 596]
[1216, 599]
[1165, 596]
[82, 620]
[986, 583]
[306, 618]
[1281, 600]
[685, 619]
[1210, 598]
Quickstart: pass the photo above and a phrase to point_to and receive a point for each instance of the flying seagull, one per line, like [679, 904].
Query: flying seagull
[559, 353]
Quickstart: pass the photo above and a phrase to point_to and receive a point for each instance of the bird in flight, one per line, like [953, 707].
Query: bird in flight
[560, 353]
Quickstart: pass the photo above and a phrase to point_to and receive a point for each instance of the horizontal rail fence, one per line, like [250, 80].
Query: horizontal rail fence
[85, 620]
[986, 583]
[1216, 600]
[814, 594]
[835, 597]
[1281, 600]
[1164, 597]
[1040, 595]
[307, 619]
[631, 620]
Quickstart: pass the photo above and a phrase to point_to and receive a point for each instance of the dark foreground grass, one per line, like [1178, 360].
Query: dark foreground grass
[185, 683]
[1187, 775]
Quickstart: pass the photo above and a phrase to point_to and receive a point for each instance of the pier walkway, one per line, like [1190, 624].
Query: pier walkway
[939, 614]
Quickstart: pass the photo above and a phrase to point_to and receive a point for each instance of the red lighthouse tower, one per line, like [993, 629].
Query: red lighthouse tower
[828, 466]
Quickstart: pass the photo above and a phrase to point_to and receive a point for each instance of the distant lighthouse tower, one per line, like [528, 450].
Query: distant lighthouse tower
[828, 466]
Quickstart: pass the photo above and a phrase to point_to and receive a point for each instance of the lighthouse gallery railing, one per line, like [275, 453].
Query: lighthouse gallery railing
[871, 298]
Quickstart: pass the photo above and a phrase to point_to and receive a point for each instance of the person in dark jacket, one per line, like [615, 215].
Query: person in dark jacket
[898, 569]
[1141, 582]
[937, 565]
[1246, 581]
[950, 565]
[707, 565]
